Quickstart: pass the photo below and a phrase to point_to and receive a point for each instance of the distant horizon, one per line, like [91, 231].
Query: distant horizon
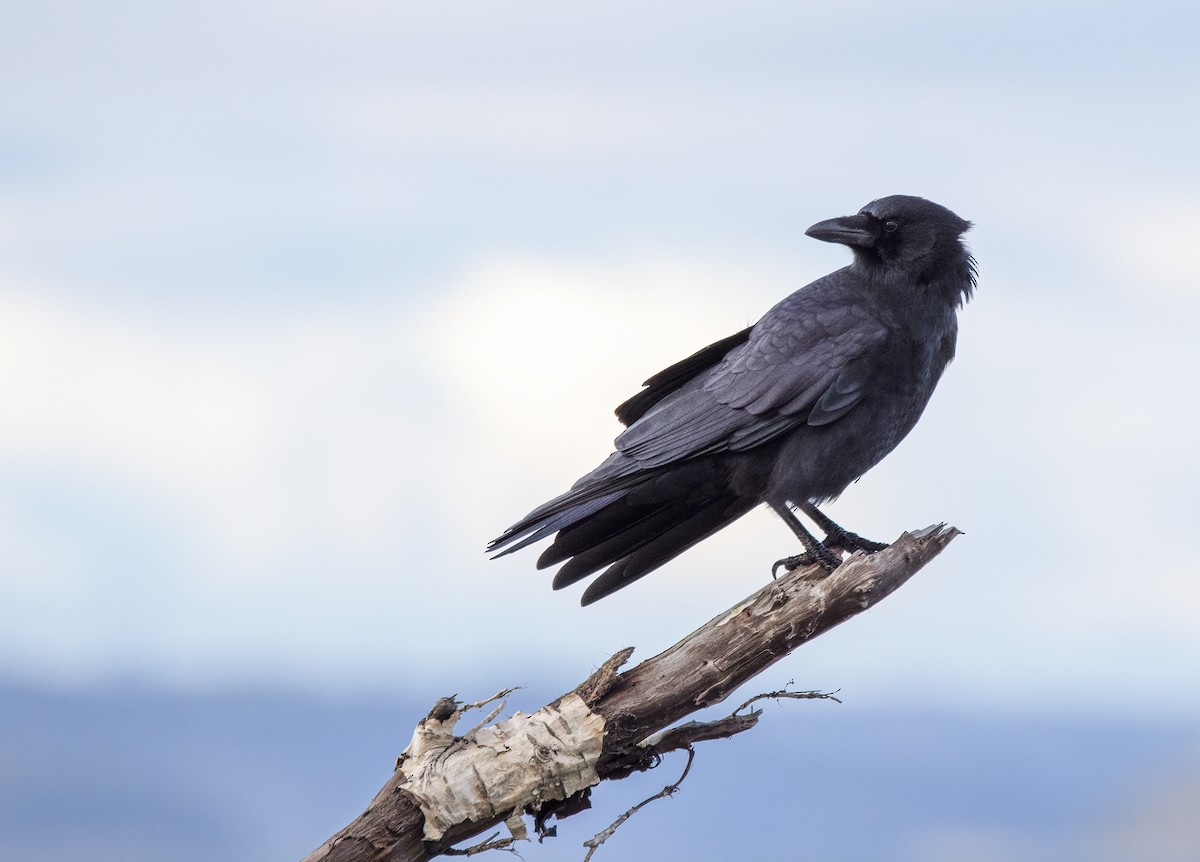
[258, 775]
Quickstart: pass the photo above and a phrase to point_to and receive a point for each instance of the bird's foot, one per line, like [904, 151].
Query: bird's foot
[827, 559]
[850, 542]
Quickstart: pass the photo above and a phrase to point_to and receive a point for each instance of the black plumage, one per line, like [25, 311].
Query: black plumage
[787, 412]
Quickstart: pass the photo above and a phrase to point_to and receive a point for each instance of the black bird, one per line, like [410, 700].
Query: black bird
[787, 412]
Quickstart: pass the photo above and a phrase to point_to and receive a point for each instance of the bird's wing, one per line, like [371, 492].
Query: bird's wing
[805, 362]
[670, 379]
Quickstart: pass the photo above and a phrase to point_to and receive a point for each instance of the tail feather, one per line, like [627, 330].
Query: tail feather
[539, 525]
[614, 519]
[700, 524]
[631, 522]
[591, 554]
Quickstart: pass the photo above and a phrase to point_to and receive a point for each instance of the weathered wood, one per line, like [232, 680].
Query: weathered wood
[625, 708]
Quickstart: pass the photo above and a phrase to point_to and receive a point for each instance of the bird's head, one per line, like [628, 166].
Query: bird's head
[905, 233]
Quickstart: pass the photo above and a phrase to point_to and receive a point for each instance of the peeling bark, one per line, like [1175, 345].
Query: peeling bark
[503, 768]
[448, 788]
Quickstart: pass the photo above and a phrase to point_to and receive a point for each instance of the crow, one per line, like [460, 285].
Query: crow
[787, 412]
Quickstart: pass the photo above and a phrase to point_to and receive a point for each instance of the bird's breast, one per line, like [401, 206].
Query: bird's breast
[817, 463]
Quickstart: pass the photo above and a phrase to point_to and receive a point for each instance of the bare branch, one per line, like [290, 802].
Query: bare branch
[479, 704]
[793, 695]
[600, 837]
[448, 788]
[487, 719]
[492, 842]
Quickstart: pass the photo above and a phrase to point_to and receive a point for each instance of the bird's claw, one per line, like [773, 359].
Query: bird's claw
[822, 556]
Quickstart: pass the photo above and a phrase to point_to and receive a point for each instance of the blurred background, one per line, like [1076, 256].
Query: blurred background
[302, 303]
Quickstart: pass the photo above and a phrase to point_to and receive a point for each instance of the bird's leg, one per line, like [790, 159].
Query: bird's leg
[837, 537]
[814, 551]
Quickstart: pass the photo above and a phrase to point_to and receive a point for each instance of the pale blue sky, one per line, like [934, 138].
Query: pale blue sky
[300, 304]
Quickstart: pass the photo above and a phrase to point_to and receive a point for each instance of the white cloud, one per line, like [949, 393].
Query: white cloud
[212, 418]
[268, 469]
[325, 455]
[1151, 245]
[319, 470]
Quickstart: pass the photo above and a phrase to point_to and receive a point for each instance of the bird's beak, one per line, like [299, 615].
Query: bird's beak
[848, 230]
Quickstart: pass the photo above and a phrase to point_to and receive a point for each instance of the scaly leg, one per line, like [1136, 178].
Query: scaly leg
[837, 537]
[814, 551]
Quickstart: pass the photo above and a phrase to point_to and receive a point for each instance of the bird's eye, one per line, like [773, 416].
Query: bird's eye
[890, 225]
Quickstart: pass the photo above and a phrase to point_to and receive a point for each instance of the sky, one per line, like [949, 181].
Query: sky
[301, 304]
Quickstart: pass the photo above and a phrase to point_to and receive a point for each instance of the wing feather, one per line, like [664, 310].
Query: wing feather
[807, 360]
